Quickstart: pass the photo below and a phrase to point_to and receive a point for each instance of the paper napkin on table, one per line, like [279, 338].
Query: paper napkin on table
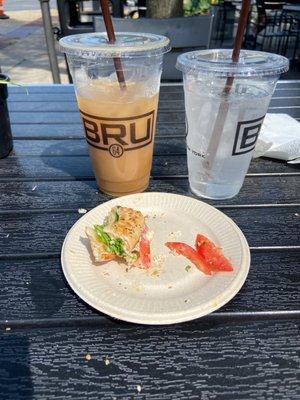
[279, 138]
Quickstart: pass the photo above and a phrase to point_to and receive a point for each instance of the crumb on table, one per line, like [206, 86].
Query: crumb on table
[139, 388]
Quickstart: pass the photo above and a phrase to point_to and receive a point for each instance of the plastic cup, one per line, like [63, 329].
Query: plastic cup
[119, 123]
[223, 126]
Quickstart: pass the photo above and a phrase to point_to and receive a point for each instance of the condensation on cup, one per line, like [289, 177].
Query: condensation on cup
[119, 122]
[223, 127]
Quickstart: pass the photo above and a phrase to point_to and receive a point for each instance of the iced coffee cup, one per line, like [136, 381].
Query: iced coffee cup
[119, 120]
[225, 104]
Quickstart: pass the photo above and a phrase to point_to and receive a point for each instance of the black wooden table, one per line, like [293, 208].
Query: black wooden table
[54, 346]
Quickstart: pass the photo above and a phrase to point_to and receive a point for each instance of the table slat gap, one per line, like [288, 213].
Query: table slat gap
[155, 177]
[228, 317]
[16, 211]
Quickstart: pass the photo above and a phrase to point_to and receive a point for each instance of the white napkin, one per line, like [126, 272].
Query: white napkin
[279, 138]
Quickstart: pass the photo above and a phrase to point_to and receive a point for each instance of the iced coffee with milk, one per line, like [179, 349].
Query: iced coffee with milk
[120, 128]
[119, 120]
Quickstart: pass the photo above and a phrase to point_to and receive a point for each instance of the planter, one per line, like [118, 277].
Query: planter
[6, 143]
[185, 33]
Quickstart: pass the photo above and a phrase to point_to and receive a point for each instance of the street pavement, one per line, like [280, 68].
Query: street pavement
[24, 5]
[23, 51]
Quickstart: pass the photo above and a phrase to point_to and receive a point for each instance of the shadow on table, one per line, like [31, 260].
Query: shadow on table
[42, 288]
[65, 160]
[15, 374]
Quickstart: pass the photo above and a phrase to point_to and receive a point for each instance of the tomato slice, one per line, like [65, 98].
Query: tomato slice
[212, 255]
[145, 252]
[191, 254]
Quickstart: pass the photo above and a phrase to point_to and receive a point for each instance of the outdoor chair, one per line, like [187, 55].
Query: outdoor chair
[224, 21]
[272, 29]
[75, 19]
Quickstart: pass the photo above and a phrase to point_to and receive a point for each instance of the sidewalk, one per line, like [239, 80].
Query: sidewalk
[23, 52]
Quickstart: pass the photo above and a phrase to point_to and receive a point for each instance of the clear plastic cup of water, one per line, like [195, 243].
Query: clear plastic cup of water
[225, 106]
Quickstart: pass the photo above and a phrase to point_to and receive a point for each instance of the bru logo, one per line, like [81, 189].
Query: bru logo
[246, 136]
[117, 135]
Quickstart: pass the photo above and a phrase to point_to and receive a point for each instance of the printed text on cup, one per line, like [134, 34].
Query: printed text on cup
[118, 135]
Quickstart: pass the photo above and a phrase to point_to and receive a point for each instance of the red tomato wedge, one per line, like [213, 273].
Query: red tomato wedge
[212, 255]
[145, 253]
[191, 254]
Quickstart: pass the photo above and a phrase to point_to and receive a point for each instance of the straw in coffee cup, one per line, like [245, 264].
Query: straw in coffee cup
[112, 39]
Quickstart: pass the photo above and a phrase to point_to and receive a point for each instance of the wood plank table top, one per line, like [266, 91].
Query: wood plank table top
[248, 349]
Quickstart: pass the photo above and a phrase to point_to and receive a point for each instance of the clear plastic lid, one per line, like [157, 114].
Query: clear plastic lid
[219, 63]
[128, 44]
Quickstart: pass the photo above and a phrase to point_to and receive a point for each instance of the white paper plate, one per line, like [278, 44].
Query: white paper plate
[167, 293]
